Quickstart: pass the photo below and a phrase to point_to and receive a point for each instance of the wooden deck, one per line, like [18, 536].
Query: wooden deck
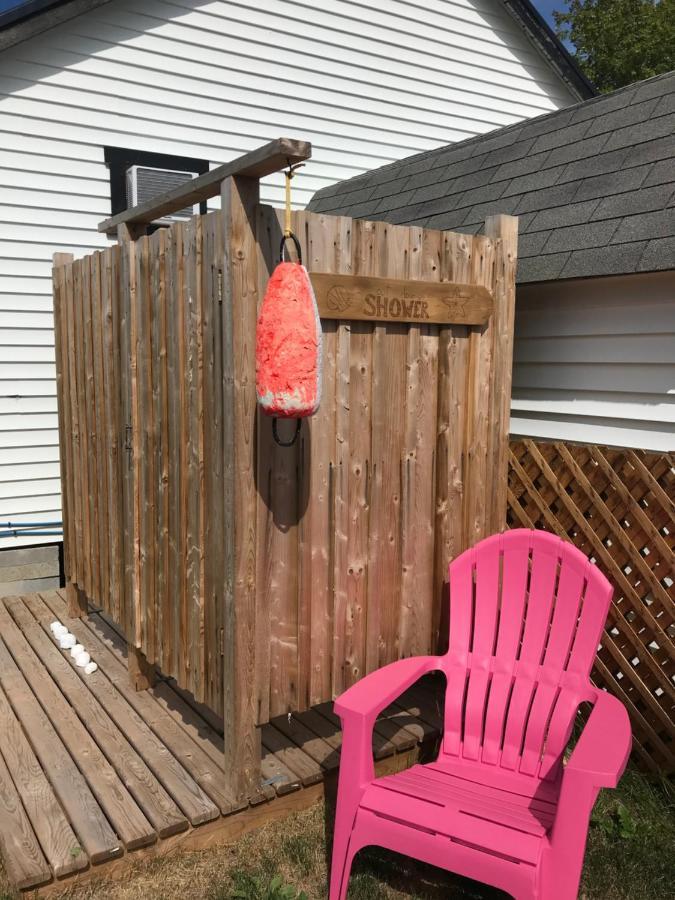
[94, 775]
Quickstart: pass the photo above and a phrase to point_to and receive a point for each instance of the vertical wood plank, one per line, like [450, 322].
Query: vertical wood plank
[451, 416]
[63, 389]
[113, 431]
[92, 589]
[351, 637]
[278, 476]
[160, 420]
[239, 199]
[175, 367]
[503, 231]
[128, 436]
[338, 257]
[389, 353]
[76, 555]
[213, 526]
[142, 366]
[99, 442]
[193, 461]
[478, 478]
[419, 484]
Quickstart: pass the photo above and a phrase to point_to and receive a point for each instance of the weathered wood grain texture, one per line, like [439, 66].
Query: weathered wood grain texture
[267, 579]
[239, 202]
[618, 507]
[60, 262]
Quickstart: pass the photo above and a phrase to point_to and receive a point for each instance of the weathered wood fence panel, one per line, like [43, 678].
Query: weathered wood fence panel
[618, 507]
[343, 539]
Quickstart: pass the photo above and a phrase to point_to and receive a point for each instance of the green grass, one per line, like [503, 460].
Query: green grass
[630, 856]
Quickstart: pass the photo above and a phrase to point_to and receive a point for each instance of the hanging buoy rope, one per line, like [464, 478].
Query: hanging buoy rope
[288, 337]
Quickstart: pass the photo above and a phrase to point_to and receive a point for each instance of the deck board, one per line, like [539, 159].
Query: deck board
[91, 769]
[201, 766]
[126, 818]
[163, 812]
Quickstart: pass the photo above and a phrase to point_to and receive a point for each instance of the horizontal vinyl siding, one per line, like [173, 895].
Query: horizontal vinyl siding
[594, 361]
[366, 82]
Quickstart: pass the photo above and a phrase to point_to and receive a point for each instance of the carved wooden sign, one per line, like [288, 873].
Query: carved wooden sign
[392, 300]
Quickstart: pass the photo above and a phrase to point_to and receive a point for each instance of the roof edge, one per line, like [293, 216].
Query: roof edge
[551, 47]
[32, 18]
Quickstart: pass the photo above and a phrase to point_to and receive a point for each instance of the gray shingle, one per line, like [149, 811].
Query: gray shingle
[642, 131]
[632, 202]
[603, 260]
[650, 151]
[561, 137]
[561, 216]
[658, 255]
[579, 237]
[654, 87]
[600, 106]
[525, 166]
[598, 165]
[590, 185]
[646, 226]
[534, 181]
[542, 267]
[394, 201]
[532, 244]
[623, 117]
[605, 185]
[556, 195]
[660, 173]
[579, 150]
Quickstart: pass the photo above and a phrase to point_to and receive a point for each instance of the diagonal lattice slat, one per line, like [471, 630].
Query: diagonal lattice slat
[618, 507]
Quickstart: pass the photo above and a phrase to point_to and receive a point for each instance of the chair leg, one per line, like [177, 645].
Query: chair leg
[341, 867]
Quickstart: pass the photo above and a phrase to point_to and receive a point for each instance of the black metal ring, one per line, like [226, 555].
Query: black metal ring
[290, 443]
[282, 247]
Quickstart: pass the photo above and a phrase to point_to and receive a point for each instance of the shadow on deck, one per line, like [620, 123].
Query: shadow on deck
[94, 776]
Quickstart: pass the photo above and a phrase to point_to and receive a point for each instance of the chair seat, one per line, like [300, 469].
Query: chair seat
[501, 822]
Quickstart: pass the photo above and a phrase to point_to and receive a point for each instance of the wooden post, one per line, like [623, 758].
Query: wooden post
[504, 231]
[77, 601]
[142, 674]
[239, 201]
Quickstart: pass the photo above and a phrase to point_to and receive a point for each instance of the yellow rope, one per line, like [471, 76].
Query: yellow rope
[287, 223]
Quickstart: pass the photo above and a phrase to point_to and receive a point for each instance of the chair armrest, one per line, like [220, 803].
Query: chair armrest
[373, 693]
[602, 751]
[358, 708]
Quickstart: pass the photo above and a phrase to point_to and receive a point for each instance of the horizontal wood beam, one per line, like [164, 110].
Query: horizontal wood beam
[256, 164]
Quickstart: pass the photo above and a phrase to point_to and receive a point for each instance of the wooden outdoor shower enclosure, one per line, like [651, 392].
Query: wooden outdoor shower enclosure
[266, 579]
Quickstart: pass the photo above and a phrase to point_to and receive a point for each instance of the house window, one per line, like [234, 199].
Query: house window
[137, 176]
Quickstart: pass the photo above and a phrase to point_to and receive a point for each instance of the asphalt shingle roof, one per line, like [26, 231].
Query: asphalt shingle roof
[593, 186]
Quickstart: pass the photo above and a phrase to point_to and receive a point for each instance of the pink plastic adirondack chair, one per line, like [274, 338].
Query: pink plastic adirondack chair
[498, 805]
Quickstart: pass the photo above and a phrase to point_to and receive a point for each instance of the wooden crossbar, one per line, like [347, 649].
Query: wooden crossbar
[256, 164]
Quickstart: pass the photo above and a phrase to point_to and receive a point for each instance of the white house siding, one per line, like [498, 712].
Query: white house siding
[594, 361]
[367, 82]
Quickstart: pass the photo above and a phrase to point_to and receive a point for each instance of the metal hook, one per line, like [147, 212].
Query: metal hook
[282, 247]
[278, 440]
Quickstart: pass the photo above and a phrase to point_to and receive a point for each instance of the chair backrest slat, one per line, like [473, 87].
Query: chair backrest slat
[526, 613]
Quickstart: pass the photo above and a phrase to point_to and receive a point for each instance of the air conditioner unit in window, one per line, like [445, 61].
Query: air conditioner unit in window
[145, 183]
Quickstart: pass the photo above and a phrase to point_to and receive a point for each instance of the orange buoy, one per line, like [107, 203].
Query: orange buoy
[288, 345]
[288, 338]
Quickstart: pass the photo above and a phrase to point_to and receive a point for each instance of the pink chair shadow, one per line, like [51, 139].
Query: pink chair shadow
[499, 804]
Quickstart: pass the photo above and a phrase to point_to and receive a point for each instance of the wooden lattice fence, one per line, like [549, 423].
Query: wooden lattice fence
[618, 507]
